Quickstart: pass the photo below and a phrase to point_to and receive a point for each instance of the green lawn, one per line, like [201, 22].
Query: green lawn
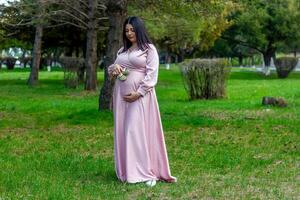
[54, 144]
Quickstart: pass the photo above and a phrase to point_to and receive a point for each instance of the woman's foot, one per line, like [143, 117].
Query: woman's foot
[151, 183]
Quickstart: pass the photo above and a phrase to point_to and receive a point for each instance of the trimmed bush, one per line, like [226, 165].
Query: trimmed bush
[71, 66]
[205, 78]
[10, 62]
[285, 65]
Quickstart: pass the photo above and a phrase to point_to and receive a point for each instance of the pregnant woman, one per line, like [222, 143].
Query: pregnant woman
[139, 145]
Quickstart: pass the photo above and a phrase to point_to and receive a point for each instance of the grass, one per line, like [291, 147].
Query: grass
[54, 144]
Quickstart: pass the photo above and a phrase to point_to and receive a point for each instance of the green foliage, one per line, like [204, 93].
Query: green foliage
[205, 78]
[285, 65]
[20, 17]
[264, 25]
[183, 24]
[14, 43]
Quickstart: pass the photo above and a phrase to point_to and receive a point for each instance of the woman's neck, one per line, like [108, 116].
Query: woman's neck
[134, 45]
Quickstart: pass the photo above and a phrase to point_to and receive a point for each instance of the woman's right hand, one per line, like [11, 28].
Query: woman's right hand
[117, 70]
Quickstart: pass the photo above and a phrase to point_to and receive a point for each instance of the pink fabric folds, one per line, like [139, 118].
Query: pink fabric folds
[140, 151]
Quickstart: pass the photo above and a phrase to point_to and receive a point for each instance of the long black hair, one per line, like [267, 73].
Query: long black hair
[141, 34]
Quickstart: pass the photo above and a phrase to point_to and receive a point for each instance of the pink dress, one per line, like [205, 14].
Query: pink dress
[139, 145]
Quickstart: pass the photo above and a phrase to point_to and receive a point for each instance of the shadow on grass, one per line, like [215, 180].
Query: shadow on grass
[92, 170]
[44, 88]
[97, 171]
[103, 176]
[27, 69]
[21, 81]
[51, 84]
[87, 117]
[187, 100]
[175, 120]
[88, 169]
[13, 82]
[248, 75]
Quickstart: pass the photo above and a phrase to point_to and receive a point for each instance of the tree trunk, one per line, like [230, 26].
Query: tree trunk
[240, 60]
[91, 48]
[23, 57]
[181, 55]
[117, 11]
[34, 74]
[77, 50]
[268, 54]
[252, 61]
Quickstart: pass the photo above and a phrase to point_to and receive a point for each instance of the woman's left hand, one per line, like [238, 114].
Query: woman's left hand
[133, 96]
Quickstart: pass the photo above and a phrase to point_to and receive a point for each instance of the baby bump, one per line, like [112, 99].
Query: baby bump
[131, 83]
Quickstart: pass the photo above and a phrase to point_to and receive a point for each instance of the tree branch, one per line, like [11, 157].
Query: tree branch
[245, 44]
[72, 7]
[70, 23]
[73, 16]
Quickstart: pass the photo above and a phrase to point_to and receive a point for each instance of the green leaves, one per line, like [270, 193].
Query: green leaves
[180, 24]
[259, 23]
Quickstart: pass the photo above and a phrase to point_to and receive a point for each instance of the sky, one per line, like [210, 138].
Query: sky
[3, 1]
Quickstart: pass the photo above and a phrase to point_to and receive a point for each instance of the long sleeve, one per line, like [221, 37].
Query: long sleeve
[111, 67]
[152, 66]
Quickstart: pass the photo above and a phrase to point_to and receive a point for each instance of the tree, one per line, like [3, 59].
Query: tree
[26, 13]
[40, 20]
[184, 26]
[91, 47]
[117, 12]
[86, 15]
[33, 78]
[52, 13]
[263, 25]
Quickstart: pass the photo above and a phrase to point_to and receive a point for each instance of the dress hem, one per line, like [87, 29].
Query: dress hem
[144, 180]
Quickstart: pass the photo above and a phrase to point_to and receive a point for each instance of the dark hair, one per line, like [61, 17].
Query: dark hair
[142, 37]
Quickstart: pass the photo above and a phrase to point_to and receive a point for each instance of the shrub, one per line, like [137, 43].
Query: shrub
[205, 78]
[285, 65]
[10, 62]
[71, 66]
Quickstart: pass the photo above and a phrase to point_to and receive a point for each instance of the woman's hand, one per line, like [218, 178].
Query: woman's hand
[133, 96]
[117, 70]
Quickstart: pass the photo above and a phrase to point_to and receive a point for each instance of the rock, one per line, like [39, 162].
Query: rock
[274, 101]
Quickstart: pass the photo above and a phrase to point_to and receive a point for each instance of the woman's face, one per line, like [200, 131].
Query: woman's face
[130, 34]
